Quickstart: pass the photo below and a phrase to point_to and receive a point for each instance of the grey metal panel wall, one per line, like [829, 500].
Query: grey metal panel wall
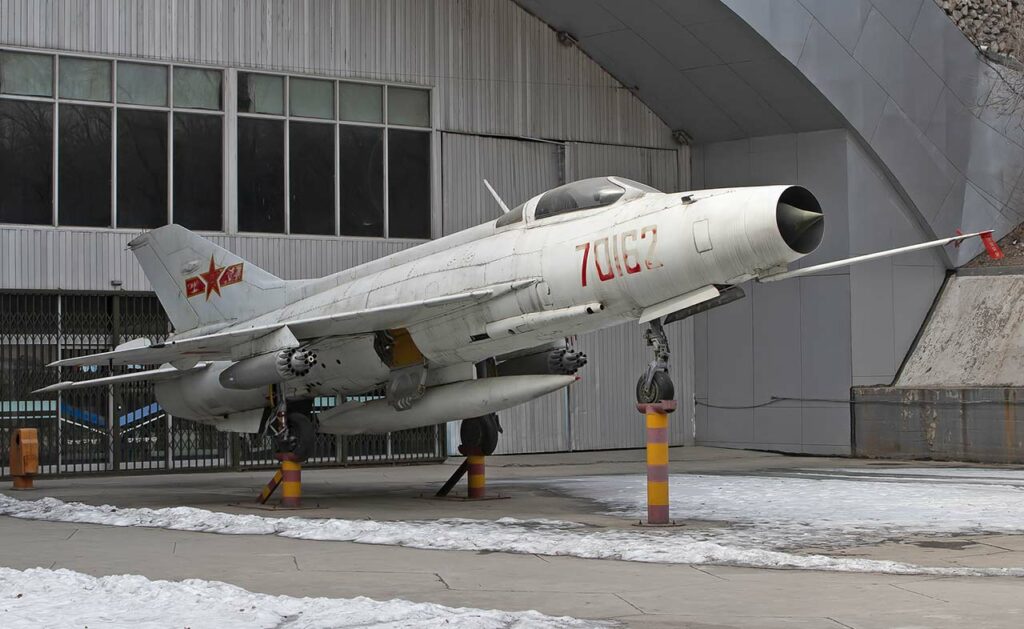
[538, 426]
[656, 167]
[497, 69]
[517, 169]
[603, 403]
[87, 260]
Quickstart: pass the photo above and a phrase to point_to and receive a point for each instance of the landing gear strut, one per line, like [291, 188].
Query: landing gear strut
[654, 393]
[290, 426]
[655, 384]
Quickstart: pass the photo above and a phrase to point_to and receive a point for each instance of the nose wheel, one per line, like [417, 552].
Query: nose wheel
[656, 384]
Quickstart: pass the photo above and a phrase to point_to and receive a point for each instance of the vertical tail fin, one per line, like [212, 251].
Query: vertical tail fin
[200, 284]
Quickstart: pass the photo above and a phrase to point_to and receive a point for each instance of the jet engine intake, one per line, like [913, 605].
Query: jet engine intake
[799, 219]
[268, 369]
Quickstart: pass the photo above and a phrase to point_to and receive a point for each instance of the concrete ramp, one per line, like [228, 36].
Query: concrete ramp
[974, 336]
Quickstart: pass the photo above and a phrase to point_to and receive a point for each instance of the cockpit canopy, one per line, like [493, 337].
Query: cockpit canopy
[587, 194]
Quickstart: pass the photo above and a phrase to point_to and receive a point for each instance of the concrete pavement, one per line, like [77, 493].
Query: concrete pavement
[638, 594]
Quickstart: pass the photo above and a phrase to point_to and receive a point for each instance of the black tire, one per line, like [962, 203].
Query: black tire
[479, 434]
[661, 389]
[301, 436]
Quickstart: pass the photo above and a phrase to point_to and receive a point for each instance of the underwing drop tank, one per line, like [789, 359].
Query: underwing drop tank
[460, 400]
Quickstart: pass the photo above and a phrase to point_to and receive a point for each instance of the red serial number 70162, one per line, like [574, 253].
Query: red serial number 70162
[615, 256]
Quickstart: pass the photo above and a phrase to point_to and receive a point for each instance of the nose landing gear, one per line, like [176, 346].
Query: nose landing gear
[654, 397]
[655, 384]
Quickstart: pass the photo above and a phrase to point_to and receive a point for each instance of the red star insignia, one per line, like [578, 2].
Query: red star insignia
[211, 278]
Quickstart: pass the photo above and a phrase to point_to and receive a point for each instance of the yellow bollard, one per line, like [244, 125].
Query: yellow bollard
[291, 482]
[24, 457]
[657, 459]
[477, 477]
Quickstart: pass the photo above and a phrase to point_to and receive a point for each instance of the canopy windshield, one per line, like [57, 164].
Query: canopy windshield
[585, 194]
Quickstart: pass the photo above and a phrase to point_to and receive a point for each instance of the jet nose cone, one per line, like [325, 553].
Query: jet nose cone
[795, 221]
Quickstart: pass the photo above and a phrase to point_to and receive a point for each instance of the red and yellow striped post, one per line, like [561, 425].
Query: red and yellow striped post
[291, 482]
[477, 477]
[269, 489]
[657, 459]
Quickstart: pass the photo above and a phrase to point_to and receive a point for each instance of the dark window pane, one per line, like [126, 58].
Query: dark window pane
[85, 79]
[409, 106]
[197, 88]
[198, 166]
[141, 168]
[311, 98]
[260, 175]
[26, 162]
[83, 174]
[361, 173]
[311, 148]
[360, 102]
[408, 184]
[26, 73]
[141, 84]
[260, 93]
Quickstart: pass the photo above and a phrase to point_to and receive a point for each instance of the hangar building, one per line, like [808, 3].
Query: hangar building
[313, 135]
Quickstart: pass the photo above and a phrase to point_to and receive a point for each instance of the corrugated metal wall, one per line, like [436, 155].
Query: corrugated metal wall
[603, 403]
[42, 258]
[497, 69]
[666, 170]
[518, 170]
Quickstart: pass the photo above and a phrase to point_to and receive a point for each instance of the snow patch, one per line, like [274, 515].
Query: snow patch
[543, 537]
[62, 598]
[835, 508]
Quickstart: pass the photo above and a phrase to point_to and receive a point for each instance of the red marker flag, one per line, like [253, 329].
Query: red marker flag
[991, 248]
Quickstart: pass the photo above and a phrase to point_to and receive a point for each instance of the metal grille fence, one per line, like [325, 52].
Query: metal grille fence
[121, 428]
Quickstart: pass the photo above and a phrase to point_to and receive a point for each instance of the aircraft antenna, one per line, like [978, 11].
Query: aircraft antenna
[501, 204]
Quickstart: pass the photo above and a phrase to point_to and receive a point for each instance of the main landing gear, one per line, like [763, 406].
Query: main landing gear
[292, 430]
[290, 426]
[479, 436]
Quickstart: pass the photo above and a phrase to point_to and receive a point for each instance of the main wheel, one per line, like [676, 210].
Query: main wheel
[301, 436]
[661, 389]
[480, 434]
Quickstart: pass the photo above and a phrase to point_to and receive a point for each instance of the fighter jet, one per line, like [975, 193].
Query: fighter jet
[459, 327]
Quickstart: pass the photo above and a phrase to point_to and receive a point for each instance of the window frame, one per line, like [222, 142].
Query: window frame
[230, 115]
[287, 117]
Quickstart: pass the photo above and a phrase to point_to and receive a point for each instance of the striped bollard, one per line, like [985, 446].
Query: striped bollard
[291, 482]
[477, 478]
[657, 459]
